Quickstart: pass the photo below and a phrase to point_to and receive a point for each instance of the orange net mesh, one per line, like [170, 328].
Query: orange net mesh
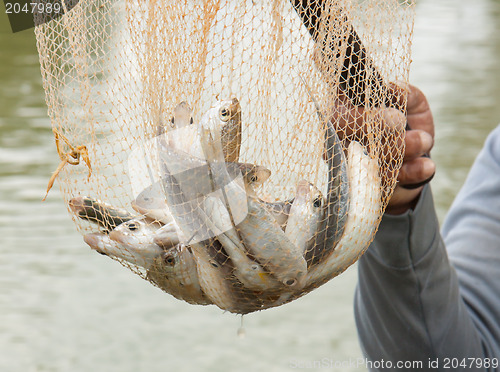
[236, 153]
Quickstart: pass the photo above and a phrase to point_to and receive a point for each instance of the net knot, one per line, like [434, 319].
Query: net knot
[71, 157]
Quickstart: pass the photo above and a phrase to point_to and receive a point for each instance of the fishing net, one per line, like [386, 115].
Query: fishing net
[235, 153]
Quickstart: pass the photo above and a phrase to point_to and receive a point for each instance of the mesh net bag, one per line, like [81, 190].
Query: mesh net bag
[235, 153]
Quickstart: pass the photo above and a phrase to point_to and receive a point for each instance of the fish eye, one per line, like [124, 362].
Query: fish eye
[224, 114]
[214, 264]
[169, 260]
[290, 282]
[191, 121]
[254, 178]
[317, 202]
[132, 226]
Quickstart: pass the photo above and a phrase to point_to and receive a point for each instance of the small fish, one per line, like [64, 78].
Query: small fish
[336, 206]
[267, 242]
[98, 212]
[183, 116]
[306, 213]
[196, 177]
[103, 244]
[179, 132]
[175, 272]
[215, 277]
[364, 212]
[230, 114]
[249, 272]
[222, 122]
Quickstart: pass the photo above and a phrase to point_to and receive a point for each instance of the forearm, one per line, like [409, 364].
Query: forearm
[407, 305]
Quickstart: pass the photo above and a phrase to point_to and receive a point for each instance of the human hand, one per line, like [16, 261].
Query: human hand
[416, 169]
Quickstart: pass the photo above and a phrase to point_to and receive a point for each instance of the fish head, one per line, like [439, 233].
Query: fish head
[133, 233]
[254, 175]
[183, 116]
[84, 206]
[308, 194]
[176, 261]
[230, 110]
[97, 241]
[170, 259]
[219, 114]
[103, 244]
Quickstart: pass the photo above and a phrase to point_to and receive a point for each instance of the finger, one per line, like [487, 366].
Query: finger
[418, 143]
[416, 171]
[402, 199]
[419, 112]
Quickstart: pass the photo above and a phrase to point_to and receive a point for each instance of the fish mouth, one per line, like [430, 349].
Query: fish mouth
[94, 240]
[77, 205]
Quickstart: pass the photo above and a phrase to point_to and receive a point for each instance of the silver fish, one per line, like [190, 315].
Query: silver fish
[332, 225]
[267, 242]
[136, 255]
[230, 115]
[364, 212]
[249, 272]
[223, 122]
[183, 116]
[175, 272]
[305, 215]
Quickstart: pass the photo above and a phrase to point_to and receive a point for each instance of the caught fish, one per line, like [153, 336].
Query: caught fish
[249, 272]
[230, 114]
[179, 132]
[98, 212]
[223, 123]
[175, 272]
[103, 244]
[215, 277]
[196, 178]
[183, 116]
[306, 213]
[364, 212]
[332, 224]
[267, 242]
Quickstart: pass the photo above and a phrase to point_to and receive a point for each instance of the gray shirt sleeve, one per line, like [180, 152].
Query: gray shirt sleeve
[424, 298]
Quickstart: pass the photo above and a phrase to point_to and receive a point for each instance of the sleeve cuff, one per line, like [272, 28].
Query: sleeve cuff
[403, 240]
